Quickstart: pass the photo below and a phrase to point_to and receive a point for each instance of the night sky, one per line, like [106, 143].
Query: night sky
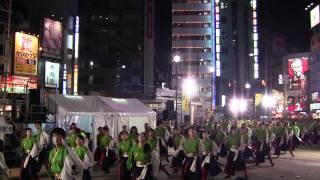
[287, 19]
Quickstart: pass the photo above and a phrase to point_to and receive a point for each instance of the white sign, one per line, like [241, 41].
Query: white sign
[315, 16]
[314, 106]
[52, 74]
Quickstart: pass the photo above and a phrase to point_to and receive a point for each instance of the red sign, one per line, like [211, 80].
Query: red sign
[149, 18]
[18, 84]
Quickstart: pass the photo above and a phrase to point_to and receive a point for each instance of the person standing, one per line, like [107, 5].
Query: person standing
[124, 147]
[63, 162]
[235, 160]
[97, 152]
[85, 156]
[140, 159]
[133, 136]
[191, 165]
[29, 166]
[72, 136]
[208, 160]
[42, 139]
[107, 154]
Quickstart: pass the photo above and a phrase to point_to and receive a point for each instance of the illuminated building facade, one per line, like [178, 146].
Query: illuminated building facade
[193, 39]
[217, 41]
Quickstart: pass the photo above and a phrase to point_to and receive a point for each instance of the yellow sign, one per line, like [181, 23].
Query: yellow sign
[25, 54]
[258, 99]
[185, 104]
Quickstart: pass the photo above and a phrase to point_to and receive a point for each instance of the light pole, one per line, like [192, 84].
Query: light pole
[189, 88]
[176, 60]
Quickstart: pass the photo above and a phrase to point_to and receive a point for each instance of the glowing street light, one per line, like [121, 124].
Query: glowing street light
[176, 58]
[91, 63]
[238, 105]
[211, 69]
[247, 86]
[123, 66]
[189, 86]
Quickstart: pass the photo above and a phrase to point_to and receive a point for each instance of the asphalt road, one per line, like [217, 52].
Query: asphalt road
[304, 166]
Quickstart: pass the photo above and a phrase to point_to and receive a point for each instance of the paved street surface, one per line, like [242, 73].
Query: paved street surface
[304, 166]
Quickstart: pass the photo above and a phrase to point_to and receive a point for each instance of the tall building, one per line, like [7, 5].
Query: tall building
[238, 48]
[112, 46]
[193, 39]
[217, 41]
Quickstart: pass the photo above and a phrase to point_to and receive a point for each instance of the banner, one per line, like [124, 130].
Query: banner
[52, 74]
[25, 54]
[258, 99]
[18, 84]
[185, 103]
[52, 39]
[297, 71]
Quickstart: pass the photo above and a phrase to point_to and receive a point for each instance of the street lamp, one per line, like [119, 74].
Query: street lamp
[237, 106]
[247, 86]
[177, 59]
[268, 101]
[123, 66]
[189, 89]
[91, 63]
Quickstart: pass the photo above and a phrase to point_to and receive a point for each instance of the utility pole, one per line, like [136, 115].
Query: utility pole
[7, 32]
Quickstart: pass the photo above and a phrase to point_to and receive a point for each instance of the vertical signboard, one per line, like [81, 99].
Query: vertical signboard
[52, 39]
[52, 74]
[25, 54]
[315, 16]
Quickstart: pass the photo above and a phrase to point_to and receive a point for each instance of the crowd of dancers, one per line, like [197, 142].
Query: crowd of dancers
[194, 152]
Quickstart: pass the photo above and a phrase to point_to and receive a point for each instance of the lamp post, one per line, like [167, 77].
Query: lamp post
[189, 88]
[176, 60]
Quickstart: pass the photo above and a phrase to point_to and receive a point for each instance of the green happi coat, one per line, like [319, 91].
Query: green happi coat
[234, 141]
[191, 146]
[261, 134]
[296, 130]
[219, 137]
[38, 134]
[245, 138]
[27, 143]
[133, 137]
[105, 141]
[72, 139]
[208, 145]
[153, 141]
[177, 140]
[57, 158]
[81, 151]
[140, 155]
[124, 147]
[160, 132]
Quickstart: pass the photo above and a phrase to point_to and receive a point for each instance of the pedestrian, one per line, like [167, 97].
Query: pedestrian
[191, 165]
[72, 136]
[208, 160]
[42, 139]
[140, 159]
[28, 169]
[97, 152]
[133, 136]
[178, 155]
[108, 156]
[235, 160]
[63, 162]
[124, 147]
[4, 170]
[85, 156]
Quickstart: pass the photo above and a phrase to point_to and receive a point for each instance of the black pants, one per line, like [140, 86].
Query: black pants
[43, 156]
[138, 170]
[124, 172]
[30, 172]
[86, 175]
[186, 173]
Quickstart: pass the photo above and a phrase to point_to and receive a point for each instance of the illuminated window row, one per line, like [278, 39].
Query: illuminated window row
[255, 38]
[218, 34]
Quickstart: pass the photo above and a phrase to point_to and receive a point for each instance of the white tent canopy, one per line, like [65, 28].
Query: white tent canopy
[91, 112]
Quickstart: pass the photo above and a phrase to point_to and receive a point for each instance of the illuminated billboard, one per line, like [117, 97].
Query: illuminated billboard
[52, 39]
[52, 74]
[315, 16]
[18, 84]
[297, 71]
[25, 54]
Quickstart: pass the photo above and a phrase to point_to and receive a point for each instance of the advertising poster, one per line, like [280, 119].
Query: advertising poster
[297, 71]
[25, 54]
[52, 39]
[315, 16]
[52, 74]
